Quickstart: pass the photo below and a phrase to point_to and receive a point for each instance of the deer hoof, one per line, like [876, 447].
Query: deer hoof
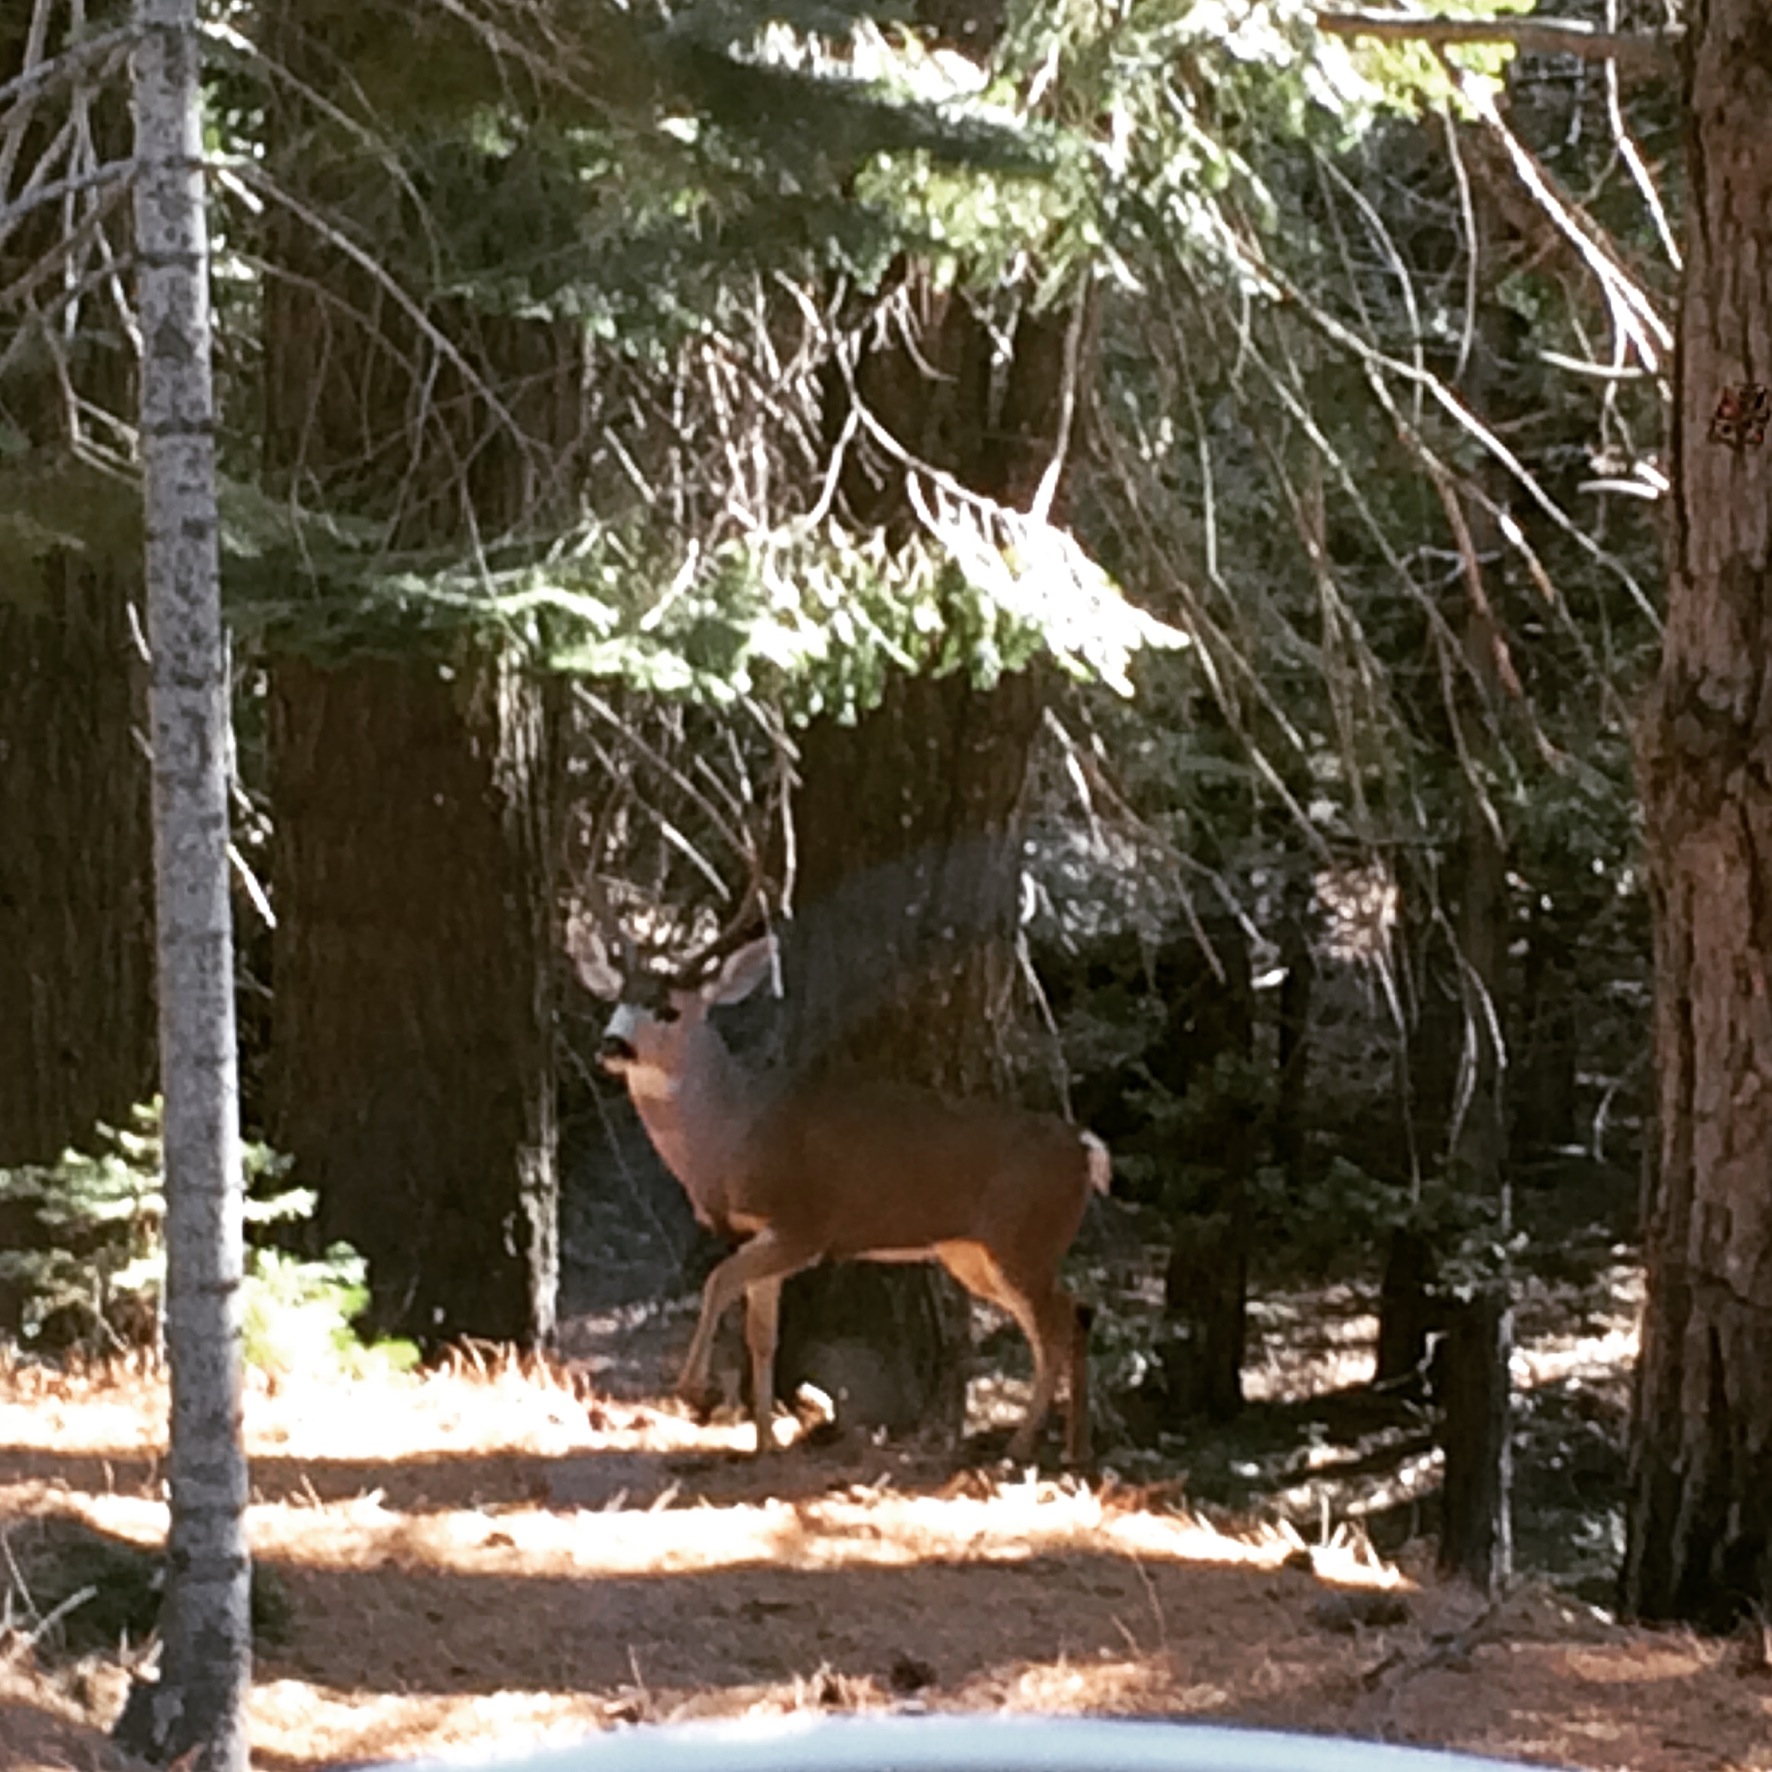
[701, 1400]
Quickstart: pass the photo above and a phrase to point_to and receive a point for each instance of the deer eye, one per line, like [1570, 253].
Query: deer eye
[666, 1013]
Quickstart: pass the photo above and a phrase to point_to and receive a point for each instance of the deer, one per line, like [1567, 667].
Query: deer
[806, 1171]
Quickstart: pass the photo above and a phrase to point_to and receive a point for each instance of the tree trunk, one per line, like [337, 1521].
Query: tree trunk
[1544, 1091]
[76, 851]
[411, 1073]
[1408, 1311]
[413, 1049]
[1208, 993]
[1205, 1295]
[1699, 1519]
[1292, 1059]
[909, 861]
[1476, 1537]
[197, 1713]
[909, 869]
[1475, 1398]
[1474, 1395]
[76, 958]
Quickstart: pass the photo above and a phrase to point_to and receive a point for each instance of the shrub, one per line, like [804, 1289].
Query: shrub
[96, 1282]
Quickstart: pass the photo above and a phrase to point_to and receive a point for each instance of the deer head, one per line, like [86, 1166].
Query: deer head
[659, 1040]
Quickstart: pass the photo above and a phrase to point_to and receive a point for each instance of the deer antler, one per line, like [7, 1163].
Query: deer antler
[733, 933]
[592, 927]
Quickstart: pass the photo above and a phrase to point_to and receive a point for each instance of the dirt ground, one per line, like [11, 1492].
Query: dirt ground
[498, 1556]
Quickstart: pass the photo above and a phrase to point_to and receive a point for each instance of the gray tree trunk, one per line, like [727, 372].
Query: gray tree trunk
[199, 1707]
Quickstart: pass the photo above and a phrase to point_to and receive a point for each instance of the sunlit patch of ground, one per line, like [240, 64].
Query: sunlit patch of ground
[489, 1557]
[47, 1725]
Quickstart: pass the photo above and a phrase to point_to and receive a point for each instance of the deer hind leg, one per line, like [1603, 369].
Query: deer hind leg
[762, 1263]
[1054, 1331]
[1078, 1447]
[1047, 1320]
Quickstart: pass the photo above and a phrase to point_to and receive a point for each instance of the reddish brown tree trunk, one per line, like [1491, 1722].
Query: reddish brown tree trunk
[412, 1058]
[1699, 1531]
[910, 860]
[77, 1037]
[412, 1062]
[76, 901]
[76, 898]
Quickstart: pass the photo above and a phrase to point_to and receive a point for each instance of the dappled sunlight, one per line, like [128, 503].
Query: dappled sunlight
[1114, 1685]
[1638, 1663]
[110, 1409]
[508, 1404]
[1308, 1344]
[489, 1555]
[1604, 1356]
[1602, 1350]
[296, 1723]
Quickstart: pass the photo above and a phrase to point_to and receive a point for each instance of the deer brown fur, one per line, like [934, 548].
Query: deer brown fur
[844, 1169]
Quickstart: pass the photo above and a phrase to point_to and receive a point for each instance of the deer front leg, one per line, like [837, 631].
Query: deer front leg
[762, 1325]
[766, 1259]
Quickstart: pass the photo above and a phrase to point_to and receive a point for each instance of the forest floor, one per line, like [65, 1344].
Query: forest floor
[493, 1555]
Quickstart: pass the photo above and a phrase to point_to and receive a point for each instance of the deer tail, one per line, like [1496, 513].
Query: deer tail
[1101, 1165]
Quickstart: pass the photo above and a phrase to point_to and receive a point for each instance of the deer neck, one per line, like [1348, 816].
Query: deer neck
[698, 1118]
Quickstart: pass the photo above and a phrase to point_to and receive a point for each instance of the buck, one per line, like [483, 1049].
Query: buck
[852, 1170]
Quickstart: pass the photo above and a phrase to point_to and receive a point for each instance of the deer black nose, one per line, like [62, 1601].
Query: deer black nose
[615, 1052]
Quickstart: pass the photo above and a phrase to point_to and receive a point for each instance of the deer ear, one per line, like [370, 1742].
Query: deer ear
[742, 973]
[590, 959]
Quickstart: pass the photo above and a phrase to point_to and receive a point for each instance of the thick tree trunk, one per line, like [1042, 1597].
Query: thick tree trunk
[76, 912]
[76, 915]
[909, 853]
[197, 1712]
[412, 1060]
[1699, 1523]
[1475, 1398]
[910, 874]
[76, 857]
[413, 1049]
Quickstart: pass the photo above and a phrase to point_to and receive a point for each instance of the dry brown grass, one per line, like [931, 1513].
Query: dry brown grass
[484, 1556]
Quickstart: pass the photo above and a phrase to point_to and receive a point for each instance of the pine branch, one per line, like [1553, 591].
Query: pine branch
[1641, 52]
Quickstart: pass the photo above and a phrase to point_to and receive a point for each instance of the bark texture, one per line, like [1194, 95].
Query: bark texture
[1699, 1528]
[1476, 1402]
[1475, 1389]
[76, 904]
[910, 872]
[909, 861]
[76, 915]
[198, 1710]
[411, 1073]
[76, 859]
[412, 1055]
